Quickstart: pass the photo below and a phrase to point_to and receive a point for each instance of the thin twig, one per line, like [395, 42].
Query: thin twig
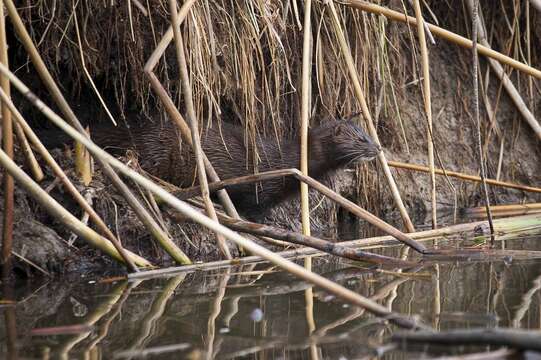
[482, 165]
[428, 105]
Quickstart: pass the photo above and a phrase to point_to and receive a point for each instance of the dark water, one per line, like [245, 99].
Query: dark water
[258, 312]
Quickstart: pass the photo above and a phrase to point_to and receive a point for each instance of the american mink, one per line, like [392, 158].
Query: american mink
[332, 145]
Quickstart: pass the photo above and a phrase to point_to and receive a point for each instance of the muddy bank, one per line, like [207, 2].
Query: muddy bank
[257, 87]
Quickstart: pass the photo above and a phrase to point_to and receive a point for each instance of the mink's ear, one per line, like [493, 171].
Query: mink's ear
[353, 116]
[338, 128]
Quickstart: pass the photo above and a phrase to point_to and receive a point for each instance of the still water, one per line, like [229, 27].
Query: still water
[259, 312]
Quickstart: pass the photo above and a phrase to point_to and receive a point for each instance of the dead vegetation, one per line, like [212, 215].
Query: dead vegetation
[244, 61]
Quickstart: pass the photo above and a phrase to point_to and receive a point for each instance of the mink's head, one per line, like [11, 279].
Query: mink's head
[351, 143]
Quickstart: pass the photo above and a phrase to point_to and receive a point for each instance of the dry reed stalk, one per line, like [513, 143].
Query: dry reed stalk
[193, 214]
[305, 112]
[7, 146]
[194, 127]
[507, 83]
[141, 7]
[482, 164]
[505, 210]
[83, 162]
[63, 216]
[345, 203]
[463, 176]
[445, 34]
[57, 170]
[371, 128]
[175, 116]
[31, 160]
[141, 213]
[167, 38]
[428, 105]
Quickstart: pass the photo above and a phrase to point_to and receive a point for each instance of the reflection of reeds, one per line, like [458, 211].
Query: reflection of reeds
[102, 309]
[157, 309]
[187, 210]
[105, 326]
[215, 309]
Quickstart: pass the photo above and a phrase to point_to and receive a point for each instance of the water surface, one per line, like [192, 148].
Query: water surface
[259, 312]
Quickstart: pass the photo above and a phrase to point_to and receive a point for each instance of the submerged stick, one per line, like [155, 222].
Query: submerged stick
[292, 237]
[306, 240]
[141, 213]
[57, 170]
[364, 107]
[194, 127]
[347, 204]
[193, 214]
[7, 146]
[518, 339]
[428, 106]
[445, 34]
[463, 176]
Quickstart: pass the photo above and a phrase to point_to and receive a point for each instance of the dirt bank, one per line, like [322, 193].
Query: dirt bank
[247, 72]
